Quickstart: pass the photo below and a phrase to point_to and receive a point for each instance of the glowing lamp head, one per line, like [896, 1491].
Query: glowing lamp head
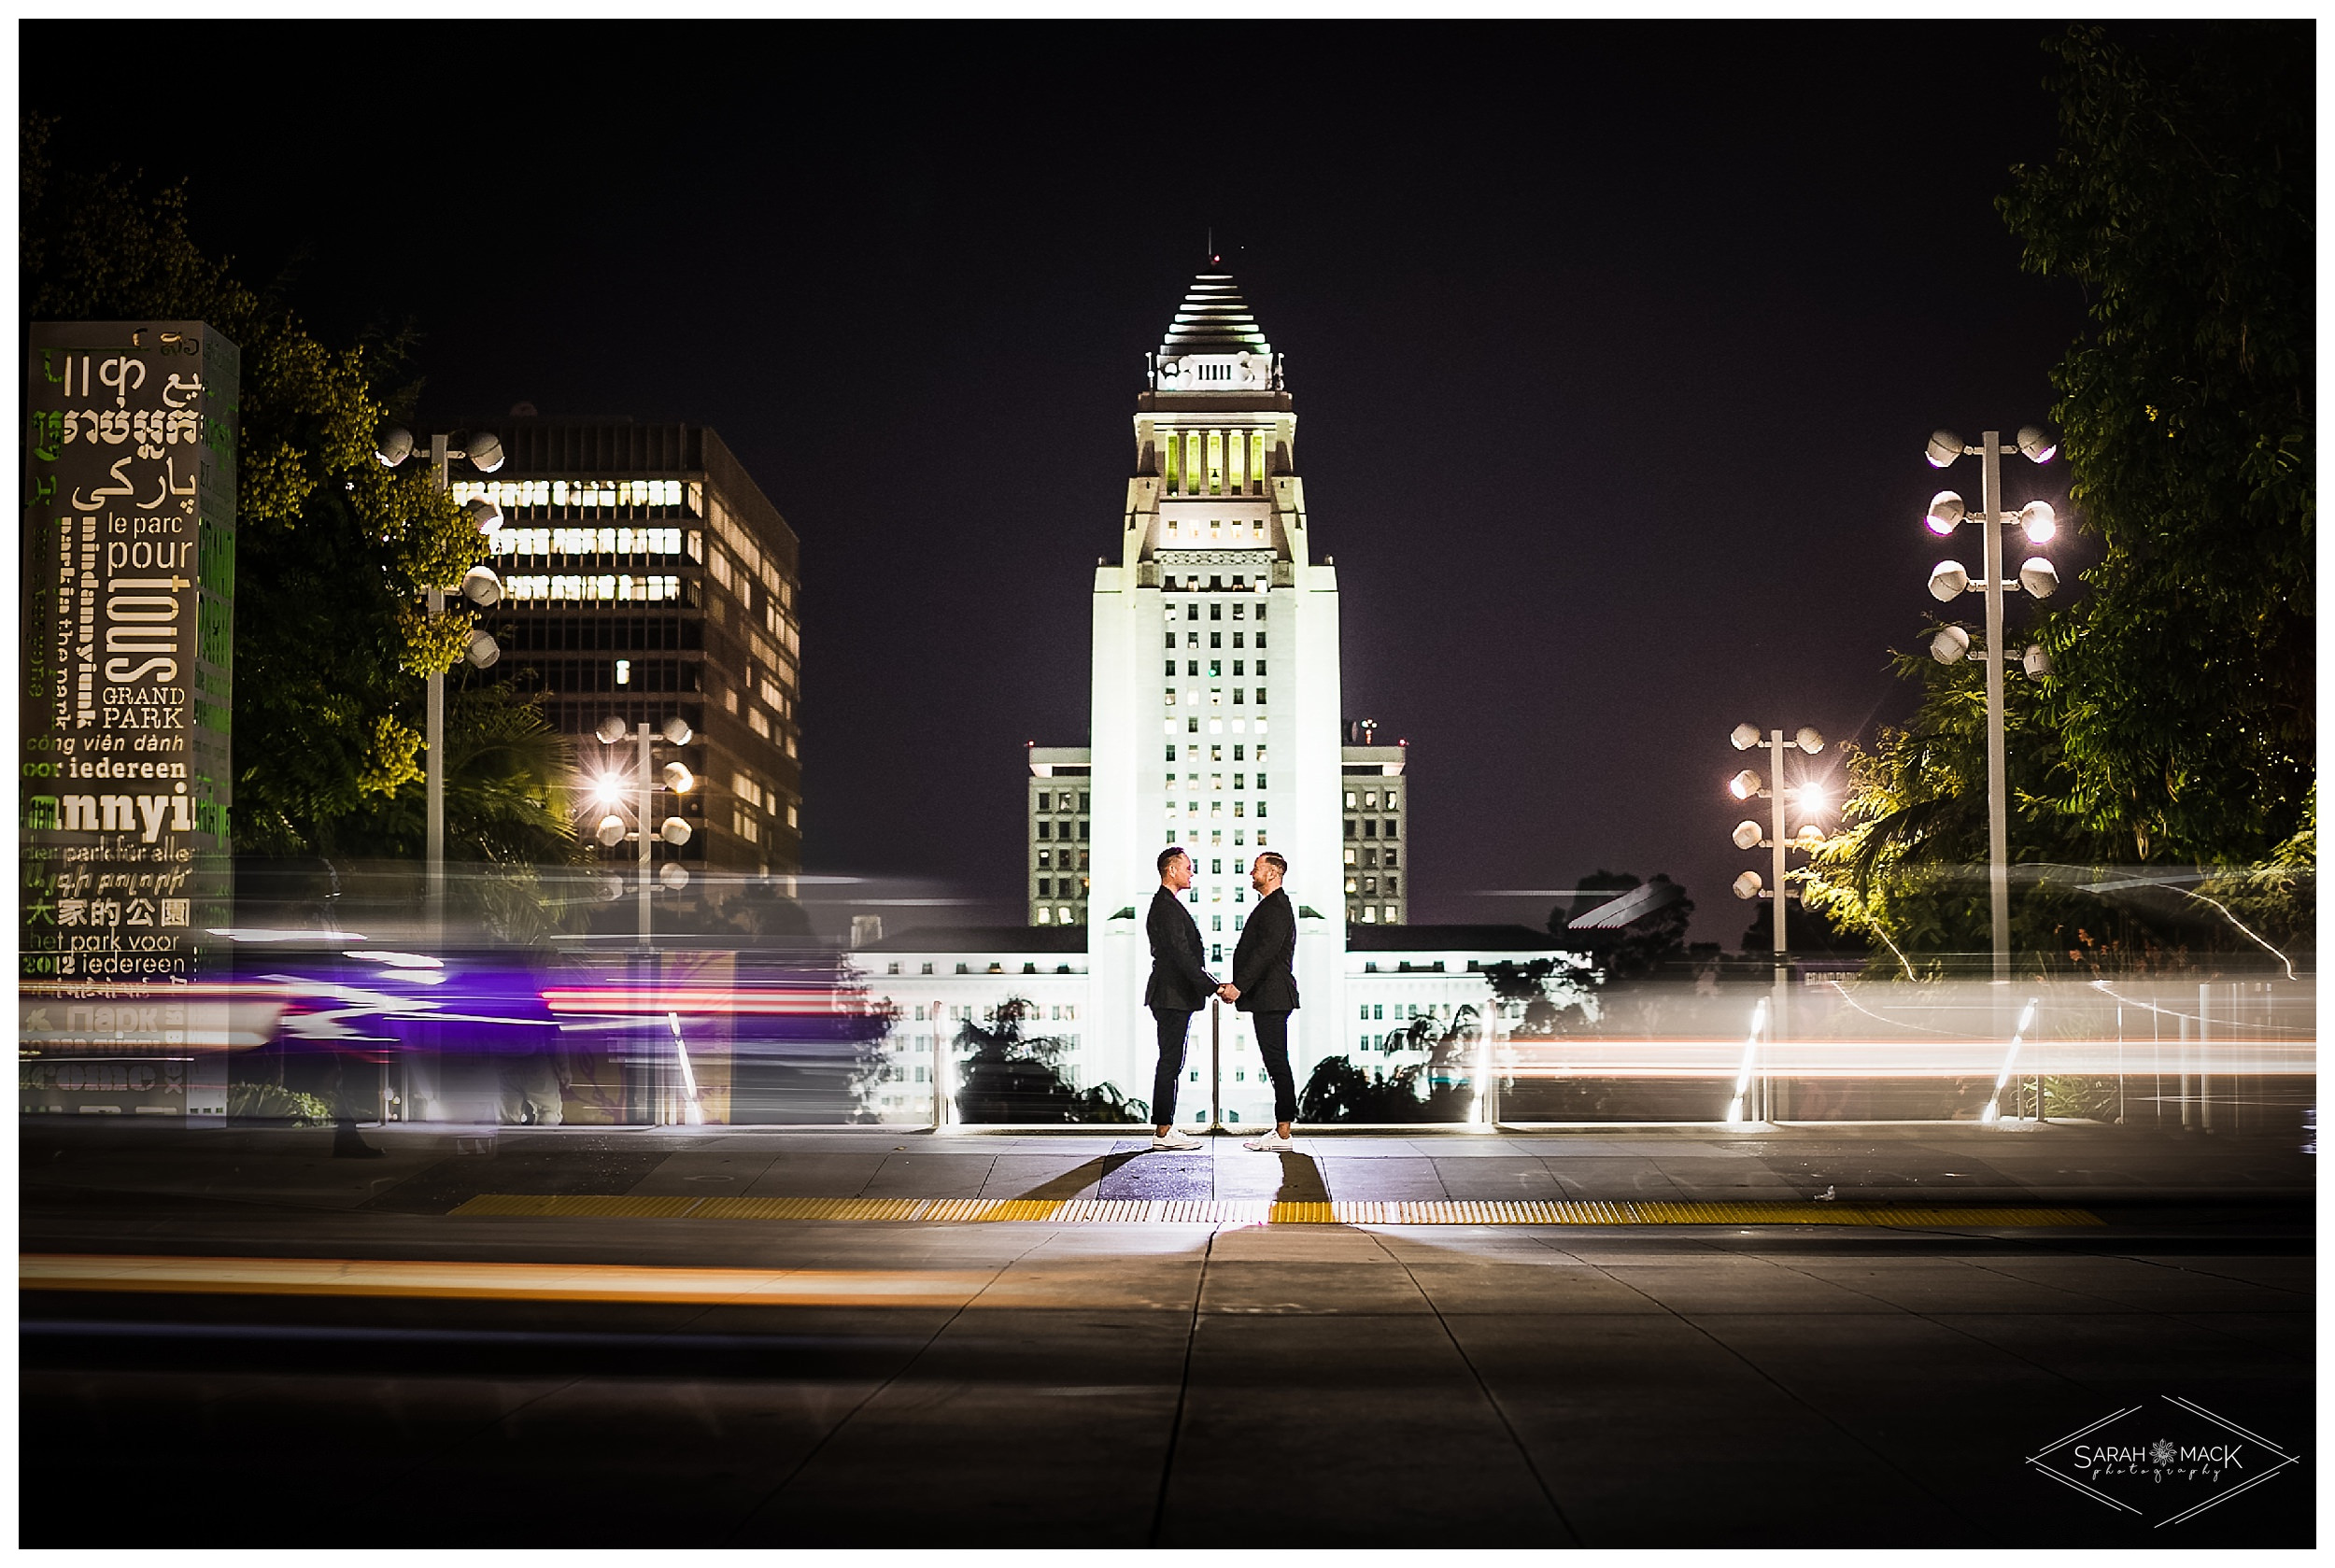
[1945, 513]
[675, 831]
[1810, 835]
[1744, 737]
[393, 444]
[1744, 784]
[482, 650]
[2037, 443]
[484, 451]
[611, 830]
[1945, 447]
[1748, 884]
[677, 730]
[483, 515]
[2039, 577]
[2039, 521]
[679, 779]
[1951, 645]
[673, 877]
[1808, 740]
[482, 587]
[1746, 835]
[1947, 580]
[609, 888]
[610, 730]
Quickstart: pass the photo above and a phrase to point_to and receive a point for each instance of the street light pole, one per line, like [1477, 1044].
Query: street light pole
[1775, 837]
[649, 807]
[1745, 785]
[675, 776]
[2038, 579]
[1998, 787]
[433, 746]
[393, 445]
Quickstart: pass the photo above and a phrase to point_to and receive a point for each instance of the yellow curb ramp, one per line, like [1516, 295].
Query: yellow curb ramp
[1077, 1211]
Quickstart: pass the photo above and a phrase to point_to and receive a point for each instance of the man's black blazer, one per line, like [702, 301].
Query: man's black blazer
[1179, 980]
[1261, 965]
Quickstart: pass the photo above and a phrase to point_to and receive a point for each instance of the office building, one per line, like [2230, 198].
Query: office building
[1059, 842]
[1376, 805]
[645, 575]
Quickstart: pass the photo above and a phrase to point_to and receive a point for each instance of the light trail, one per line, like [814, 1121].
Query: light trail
[502, 1282]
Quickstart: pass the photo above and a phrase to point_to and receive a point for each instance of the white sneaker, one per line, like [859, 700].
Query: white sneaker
[1175, 1141]
[1271, 1143]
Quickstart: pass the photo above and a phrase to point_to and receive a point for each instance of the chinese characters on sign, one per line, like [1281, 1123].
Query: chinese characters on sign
[124, 780]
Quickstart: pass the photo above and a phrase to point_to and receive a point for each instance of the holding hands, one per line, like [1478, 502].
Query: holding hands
[1228, 992]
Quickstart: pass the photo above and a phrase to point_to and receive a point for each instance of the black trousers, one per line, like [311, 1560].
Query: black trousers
[1272, 1043]
[1174, 1028]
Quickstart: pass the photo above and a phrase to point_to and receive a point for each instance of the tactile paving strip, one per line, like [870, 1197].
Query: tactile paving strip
[1074, 1211]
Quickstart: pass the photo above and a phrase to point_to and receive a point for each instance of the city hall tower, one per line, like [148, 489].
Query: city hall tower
[1216, 721]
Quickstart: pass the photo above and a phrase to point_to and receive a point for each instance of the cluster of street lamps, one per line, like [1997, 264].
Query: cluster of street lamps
[1809, 798]
[646, 780]
[483, 451]
[1949, 580]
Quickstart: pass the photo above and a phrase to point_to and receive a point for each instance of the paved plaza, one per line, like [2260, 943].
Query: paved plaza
[336, 1354]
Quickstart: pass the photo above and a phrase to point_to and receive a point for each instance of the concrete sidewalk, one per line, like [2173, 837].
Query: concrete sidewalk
[426, 1171]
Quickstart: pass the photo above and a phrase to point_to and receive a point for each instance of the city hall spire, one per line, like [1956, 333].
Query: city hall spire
[1214, 344]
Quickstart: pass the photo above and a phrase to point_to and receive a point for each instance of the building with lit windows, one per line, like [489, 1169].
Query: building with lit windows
[1060, 808]
[1375, 804]
[645, 574]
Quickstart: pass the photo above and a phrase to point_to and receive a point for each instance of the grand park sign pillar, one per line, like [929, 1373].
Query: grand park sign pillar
[124, 774]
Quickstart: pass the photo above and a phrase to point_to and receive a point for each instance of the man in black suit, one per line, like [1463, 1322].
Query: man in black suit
[1263, 985]
[1179, 986]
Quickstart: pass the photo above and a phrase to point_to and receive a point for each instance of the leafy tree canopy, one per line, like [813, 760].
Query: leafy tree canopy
[2181, 200]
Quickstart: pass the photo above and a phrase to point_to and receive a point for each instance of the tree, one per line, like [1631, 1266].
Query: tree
[1436, 1090]
[2181, 200]
[334, 550]
[1011, 1077]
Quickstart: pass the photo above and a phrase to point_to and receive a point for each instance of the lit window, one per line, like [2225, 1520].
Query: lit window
[1045, 916]
[623, 672]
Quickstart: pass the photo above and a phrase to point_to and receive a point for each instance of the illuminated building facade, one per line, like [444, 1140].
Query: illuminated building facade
[1215, 714]
[1215, 725]
[1375, 804]
[645, 574]
[1061, 811]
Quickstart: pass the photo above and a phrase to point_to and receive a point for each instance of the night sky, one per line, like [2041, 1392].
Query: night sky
[1614, 349]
